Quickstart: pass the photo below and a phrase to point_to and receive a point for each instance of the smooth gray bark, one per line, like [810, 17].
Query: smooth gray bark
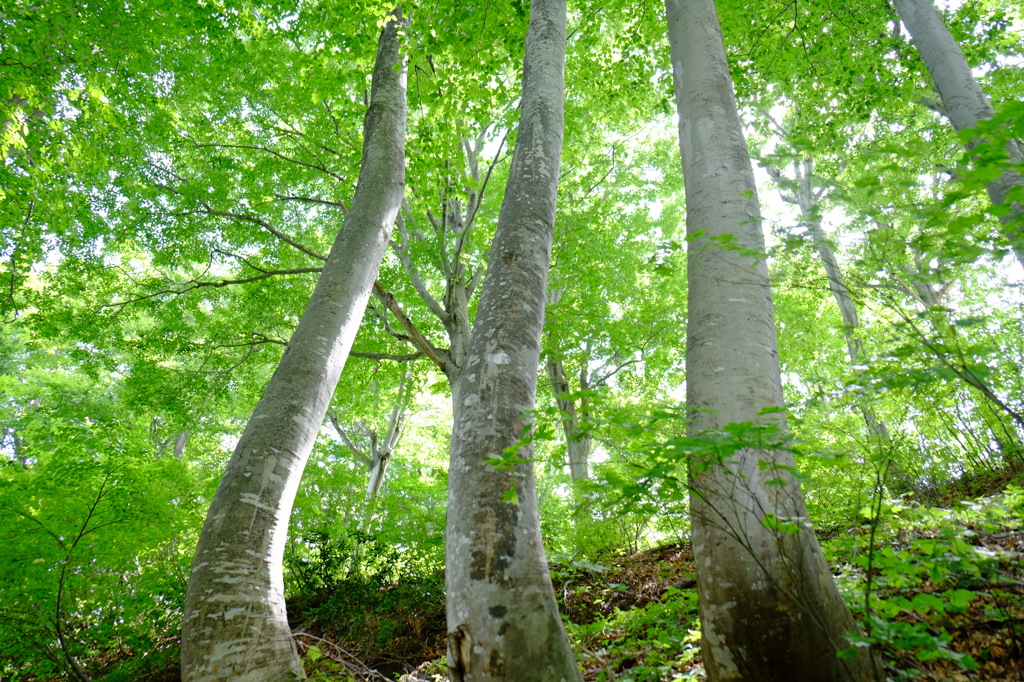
[503, 623]
[963, 101]
[235, 626]
[577, 444]
[381, 455]
[768, 606]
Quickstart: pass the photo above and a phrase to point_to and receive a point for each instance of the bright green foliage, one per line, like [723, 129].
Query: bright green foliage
[97, 525]
[367, 593]
[663, 635]
[924, 587]
[173, 172]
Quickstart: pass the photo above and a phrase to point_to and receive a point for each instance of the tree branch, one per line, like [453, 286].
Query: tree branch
[192, 285]
[343, 434]
[402, 251]
[417, 338]
[247, 217]
[256, 147]
[408, 357]
[312, 200]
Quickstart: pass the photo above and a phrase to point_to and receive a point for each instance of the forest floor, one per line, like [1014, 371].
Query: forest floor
[946, 603]
[637, 621]
[946, 600]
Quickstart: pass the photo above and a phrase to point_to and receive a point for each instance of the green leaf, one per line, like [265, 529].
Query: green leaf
[959, 598]
[925, 602]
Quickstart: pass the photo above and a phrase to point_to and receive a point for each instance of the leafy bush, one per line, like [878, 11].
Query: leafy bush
[648, 644]
[939, 568]
[359, 591]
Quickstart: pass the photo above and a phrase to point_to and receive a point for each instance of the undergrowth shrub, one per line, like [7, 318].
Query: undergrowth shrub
[359, 591]
[931, 571]
[647, 644]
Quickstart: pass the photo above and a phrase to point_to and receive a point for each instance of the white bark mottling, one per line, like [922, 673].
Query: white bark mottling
[769, 609]
[963, 101]
[235, 626]
[503, 623]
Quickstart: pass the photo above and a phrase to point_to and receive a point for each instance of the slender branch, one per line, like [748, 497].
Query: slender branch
[474, 281]
[767, 27]
[407, 357]
[256, 147]
[266, 226]
[934, 105]
[382, 315]
[611, 167]
[398, 413]
[29, 517]
[256, 340]
[600, 381]
[402, 250]
[312, 200]
[242, 259]
[471, 219]
[296, 133]
[189, 286]
[961, 369]
[261, 338]
[334, 119]
[349, 443]
[418, 339]
[291, 129]
[352, 665]
[249, 349]
[771, 119]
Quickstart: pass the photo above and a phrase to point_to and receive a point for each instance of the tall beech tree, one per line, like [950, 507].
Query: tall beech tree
[806, 197]
[965, 104]
[768, 606]
[503, 623]
[235, 626]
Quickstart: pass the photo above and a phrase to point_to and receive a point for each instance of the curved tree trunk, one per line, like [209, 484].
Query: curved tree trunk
[503, 623]
[235, 626]
[963, 100]
[768, 606]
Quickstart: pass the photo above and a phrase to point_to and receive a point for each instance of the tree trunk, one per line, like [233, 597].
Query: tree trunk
[235, 626]
[806, 199]
[380, 455]
[503, 623]
[768, 606]
[577, 445]
[963, 100]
